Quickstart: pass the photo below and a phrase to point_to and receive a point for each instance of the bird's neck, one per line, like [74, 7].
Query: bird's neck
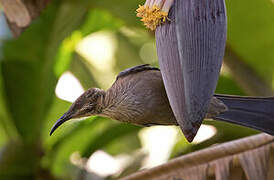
[116, 105]
[100, 102]
[109, 103]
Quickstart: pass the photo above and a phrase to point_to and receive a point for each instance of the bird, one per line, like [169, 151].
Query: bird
[138, 97]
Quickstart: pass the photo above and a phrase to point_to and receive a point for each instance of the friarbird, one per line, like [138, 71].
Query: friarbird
[138, 96]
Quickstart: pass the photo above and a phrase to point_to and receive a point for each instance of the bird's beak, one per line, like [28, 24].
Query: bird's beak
[190, 50]
[60, 121]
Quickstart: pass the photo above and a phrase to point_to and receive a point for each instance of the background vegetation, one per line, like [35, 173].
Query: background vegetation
[31, 65]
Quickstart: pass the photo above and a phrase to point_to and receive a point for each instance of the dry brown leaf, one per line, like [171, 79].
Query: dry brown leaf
[247, 158]
[20, 13]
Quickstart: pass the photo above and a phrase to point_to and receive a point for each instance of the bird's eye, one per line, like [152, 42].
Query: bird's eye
[89, 107]
[91, 104]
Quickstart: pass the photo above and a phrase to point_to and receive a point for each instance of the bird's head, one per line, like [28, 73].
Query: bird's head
[87, 104]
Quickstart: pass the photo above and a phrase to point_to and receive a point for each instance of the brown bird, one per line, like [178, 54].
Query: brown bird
[138, 96]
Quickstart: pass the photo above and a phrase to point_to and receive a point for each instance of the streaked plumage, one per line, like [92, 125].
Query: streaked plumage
[138, 96]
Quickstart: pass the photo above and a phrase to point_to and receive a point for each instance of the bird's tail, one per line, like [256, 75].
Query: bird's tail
[252, 112]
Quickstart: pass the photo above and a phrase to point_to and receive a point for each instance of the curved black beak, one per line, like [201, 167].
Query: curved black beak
[59, 122]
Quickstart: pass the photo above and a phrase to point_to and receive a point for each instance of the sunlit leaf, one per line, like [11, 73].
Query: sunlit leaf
[251, 34]
[110, 134]
[81, 69]
[75, 140]
[226, 85]
[98, 19]
[66, 52]
[124, 9]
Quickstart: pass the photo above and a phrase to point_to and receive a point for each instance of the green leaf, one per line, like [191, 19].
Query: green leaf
[72, 139]
[251, 34]
[124, 143]
[226, 85]
[128, 50]
[57, 109]
[66, 52]
[28, 74]
[8, 130]
[115, 132]
[24, 96]
[19, 161]
[124, 9]
[83, 71]
[27, 93]
[98, 19]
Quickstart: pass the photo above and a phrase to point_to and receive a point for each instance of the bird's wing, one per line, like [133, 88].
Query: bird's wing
[136, 69]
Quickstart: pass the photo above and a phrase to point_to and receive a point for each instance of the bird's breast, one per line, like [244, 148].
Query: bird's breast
[140, 99]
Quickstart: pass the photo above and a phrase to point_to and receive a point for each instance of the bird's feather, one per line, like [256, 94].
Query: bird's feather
[136, 69]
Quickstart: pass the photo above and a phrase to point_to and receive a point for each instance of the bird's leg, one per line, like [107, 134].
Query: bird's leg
[216, 107]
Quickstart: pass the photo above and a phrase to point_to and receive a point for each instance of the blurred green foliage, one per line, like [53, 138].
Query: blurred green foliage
[32, 64]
